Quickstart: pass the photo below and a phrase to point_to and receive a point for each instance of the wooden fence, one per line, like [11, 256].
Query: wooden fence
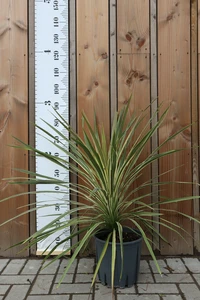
[146, 48]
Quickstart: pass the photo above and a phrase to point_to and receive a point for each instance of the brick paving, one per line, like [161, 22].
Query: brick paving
[22, 279]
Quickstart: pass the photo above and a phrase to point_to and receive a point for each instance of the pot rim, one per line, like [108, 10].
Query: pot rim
[118, 243]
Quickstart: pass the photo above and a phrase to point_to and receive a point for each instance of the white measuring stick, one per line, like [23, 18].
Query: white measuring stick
[51, 91]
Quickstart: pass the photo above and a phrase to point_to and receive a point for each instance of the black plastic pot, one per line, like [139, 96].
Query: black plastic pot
[132, 253]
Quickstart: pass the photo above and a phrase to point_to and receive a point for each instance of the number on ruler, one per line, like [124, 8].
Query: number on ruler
[57, 240]
[56, 139]
[56, 38]
[56, 55]
[48, 102]
[57, 207]
[56, 105]
[55, 4]
[56, 88]
[49, 153]
[56, 22]
[56, 123]
[56, 72]
[56, 173]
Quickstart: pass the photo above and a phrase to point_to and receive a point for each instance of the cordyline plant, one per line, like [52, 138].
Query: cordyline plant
[107, 172]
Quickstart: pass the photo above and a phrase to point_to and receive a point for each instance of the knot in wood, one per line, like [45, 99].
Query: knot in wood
[87, 93]
[128, 36]
[142, 77]
[104, 55]
[128, 81]
[140, 42]
[170, 16]
[135, 74]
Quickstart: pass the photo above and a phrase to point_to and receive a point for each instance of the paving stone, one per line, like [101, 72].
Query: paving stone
[49, 297]
[3, 289]
[193, 264]
[3, 263]
[17, 292]
[162, 265]
[102, 292]
[130, 290]
[165, 288]
[145, 278]
[17, 279]
[50, 269]
[32, 266]
[82, 297]
[171, 297]
[190, 291]
[68, 278]
[153, 288]
[64, 264]
[74, 288]
[14, 267]
[86, 265]
[197, 277]
[136, 297]
[176, 265]
[174, 278]
[97, 279]
[84, 278]
[42, 284]
[144, 267]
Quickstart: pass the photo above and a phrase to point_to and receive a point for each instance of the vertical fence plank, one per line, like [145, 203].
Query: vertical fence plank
[134, 66]
[154, 106]
[113, 58]
[174, 90]
[92, 61]
[13, 118]
[133, 26]
[195, 116]
[197, 204]
[93, 64]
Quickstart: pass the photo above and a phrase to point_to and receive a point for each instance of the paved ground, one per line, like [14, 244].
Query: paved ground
[25, 279]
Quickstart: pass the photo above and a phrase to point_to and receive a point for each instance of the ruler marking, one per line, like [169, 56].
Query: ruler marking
[51, 69]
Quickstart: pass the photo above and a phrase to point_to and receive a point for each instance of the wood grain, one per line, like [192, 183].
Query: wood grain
[198, 15]
[113, 59]
[195, 117]
[133, 26]
[133, 78]
[93, 61]
[154, 107]
[197, 203]
[134, 73]
[13, 118]
[93, 65]
[174, 90]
